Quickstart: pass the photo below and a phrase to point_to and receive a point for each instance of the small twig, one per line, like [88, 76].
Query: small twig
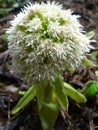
[64, 113]
[96, 127]
[66, 117]
[91, 123]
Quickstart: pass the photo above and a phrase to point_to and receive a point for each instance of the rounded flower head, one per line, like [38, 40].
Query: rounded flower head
[45, 40]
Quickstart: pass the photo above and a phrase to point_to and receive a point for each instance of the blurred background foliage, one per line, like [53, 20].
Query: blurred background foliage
[6, 6]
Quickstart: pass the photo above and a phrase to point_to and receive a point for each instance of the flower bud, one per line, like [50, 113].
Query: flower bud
[44, 40]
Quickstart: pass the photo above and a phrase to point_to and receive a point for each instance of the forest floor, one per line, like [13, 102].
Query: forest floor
[80, 116]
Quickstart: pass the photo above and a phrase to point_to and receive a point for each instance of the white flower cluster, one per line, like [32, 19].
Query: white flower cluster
[45, 40]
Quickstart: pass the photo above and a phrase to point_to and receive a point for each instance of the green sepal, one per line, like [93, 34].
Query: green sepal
[29, 95]
[88, 63]
[90, 34]
[48, 115]
[73, 93]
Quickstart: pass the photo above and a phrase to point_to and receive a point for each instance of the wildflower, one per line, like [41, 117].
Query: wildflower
[44, 40]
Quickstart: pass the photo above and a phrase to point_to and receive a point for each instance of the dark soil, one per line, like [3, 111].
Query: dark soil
[80, 116]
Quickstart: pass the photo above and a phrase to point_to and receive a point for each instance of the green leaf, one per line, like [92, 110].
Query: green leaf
[48, 115]
[87, 62]
[73, 93]
[90, 34]
[93, 56]
[29, 95]
[40, 92]
[21, 92]
[91, 88]
[61, 96]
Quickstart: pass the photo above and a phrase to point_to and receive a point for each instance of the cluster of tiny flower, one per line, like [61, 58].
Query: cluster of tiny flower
[45, 40]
